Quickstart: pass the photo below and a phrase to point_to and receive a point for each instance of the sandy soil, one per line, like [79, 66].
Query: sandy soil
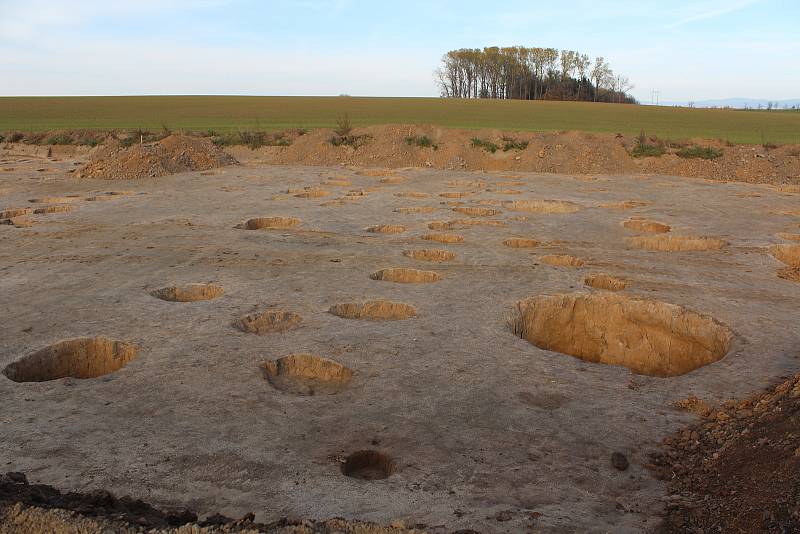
[484, 429]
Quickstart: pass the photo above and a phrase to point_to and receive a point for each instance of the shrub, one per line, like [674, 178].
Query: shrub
[510, 143]
[343, 126]
[2, 138]
[488, 146]
[354, 141]
[421, 141]
[699, 152]
[59, 139]
[769, 146]
[16, 137]
[646, 149]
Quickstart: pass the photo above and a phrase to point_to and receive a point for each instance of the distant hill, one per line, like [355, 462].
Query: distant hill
[740, 103]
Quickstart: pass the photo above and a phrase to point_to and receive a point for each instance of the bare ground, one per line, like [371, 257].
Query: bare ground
[484, 429]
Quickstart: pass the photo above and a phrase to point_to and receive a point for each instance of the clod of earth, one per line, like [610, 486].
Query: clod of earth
[53, 209]
[430, 254]
[268, 322]
[788, 254]
[562, 260]
[376, 310]
[542, 206]
[518, 242]
[648, 337]
[368, 465]
[87, 357]
[619, 461]
[189, 292]
[387, 229]
[670, 243]
[477, 212]
[605, 281]
[644, 225]
[444, 238]
[260, 223]
[306, 374]
[405, 276]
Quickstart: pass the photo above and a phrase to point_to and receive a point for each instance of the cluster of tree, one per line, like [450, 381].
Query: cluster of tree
[530, 74]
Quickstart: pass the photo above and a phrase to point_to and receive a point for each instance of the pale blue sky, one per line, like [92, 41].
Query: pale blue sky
[687, 50]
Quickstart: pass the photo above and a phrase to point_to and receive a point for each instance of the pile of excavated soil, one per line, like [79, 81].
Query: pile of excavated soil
[551, 152]
[26, 507]
[171, 155]
[738, 470]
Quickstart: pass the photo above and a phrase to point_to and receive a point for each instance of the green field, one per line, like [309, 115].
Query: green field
[223, 113]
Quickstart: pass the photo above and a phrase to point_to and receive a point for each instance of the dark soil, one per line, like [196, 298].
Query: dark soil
[739, 469]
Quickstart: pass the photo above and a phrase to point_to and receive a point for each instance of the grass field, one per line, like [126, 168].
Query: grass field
[231, 112]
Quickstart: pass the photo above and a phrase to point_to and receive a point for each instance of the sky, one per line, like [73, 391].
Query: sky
[686, 50]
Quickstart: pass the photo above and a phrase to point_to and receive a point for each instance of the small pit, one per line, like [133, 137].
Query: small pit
[405, 276]
[478, 222]
[562, 260]
[268, 322]
[670, 243]
[392, 180]
[87, 357]
[542, 206]
[376, 310]
[52, 200]
[648, 337]
[430, 254]
[412, 194]
[441, 225]
[625, 205]
[306, 374]
[189, 292]
[261, 223]
[444, 238]
[477, 212]
[14, 212]
[53, 209]
[368, 465]
[314, 193]
[605, 281]
[519, 242]
[646, 226]
[789, 237]
[419, 209]
[455, 194]
[387, 229]
[788, 254]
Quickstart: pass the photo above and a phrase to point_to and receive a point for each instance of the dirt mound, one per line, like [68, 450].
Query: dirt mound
[605, 281]
[189, 292]
[268, 322]
[171, 155]
[519, 242]
[430, 254]
[387, 229]
[477, 212]
[562, 260]
[87, 357]
[444, 238]
[260, 223]
[306, 374]
[738, 469]
[671, 243]
[648, 337]
[645, 225]
[541, 206]
[368, 465]
[376, 310]
[405, 276]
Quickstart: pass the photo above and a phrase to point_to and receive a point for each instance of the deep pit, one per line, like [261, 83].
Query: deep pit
[189, 292]
[368, 465]
[648, 337]
[268, 322]
[306, 374]
[376, 310]
[87, 357]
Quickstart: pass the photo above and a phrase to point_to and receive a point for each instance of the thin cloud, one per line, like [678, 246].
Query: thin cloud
[714, 13]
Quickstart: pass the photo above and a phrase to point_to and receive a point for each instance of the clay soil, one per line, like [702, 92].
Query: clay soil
[449, 420]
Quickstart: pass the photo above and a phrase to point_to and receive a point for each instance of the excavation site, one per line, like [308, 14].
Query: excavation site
[226, 341]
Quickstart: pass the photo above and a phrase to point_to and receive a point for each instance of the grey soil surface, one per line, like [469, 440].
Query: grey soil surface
[484, 430]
